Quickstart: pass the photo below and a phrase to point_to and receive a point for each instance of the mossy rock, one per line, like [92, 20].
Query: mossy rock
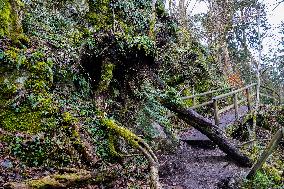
[26, 121]
[10, 24]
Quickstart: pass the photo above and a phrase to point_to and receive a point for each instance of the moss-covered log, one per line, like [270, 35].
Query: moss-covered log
[55, 181]
[213, 132]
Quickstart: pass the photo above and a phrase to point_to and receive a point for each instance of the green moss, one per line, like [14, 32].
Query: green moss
[44, 183]
[9, 22]
[7, 87]
[119, 131]
[269, 177]
[5, 17]
[112, 142]
[41, 76]
[6, 138]
[100, 14]
[68, 119]
[26, 121]
[60, 181]
[106, 76]
[34, 77]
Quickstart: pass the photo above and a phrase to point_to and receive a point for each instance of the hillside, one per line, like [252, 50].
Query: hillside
[91, 93]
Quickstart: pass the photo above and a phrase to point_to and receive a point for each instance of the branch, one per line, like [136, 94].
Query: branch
[277, 5]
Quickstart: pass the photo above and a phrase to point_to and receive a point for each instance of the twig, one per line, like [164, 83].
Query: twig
[277, 5]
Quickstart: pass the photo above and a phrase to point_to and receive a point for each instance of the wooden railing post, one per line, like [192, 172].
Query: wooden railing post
[194, 97]
[236, 106]
[216, 111]
[248, 100]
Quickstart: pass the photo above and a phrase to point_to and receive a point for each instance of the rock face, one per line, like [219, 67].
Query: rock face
[165, 143]
[159, 131]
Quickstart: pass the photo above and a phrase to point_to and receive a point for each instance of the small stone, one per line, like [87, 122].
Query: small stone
[6, 164]
[1, 179]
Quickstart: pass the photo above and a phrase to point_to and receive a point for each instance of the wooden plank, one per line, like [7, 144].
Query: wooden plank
[230, 106]
[236, 106]
[216, 112]
[233, 92]
[203, 94]
[200, 105]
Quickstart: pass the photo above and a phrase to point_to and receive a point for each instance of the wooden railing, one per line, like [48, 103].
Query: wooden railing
[236, 103]
[208, 93]
[248, 91]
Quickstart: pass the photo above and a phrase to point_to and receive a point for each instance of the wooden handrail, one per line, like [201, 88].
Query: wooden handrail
[203, 94]
[248, 93]
[233, 92]
[200, 105]
[232, 106]
[235, 105]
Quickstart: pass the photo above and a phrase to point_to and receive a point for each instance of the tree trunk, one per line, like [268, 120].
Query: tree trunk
[212, 131]
[266, 153]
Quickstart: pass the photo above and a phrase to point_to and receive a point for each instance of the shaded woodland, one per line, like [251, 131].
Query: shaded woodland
[107, 94]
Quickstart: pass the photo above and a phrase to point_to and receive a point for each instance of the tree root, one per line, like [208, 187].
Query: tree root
[83, 147]
[138, 143]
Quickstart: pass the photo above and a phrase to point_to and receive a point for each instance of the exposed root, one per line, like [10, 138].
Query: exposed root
[84, 148]
[138, 143]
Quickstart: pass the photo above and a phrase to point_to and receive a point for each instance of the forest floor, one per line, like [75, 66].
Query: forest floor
[200, 165]
[190, 167]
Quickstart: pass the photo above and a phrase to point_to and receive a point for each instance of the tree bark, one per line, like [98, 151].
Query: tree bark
[213, 132]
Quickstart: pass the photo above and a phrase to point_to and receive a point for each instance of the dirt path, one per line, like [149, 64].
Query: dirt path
[199, 167]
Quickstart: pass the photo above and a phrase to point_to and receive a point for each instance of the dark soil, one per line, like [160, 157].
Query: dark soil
[197, 168]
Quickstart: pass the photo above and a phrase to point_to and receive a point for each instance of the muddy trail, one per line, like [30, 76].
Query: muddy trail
[198, 163]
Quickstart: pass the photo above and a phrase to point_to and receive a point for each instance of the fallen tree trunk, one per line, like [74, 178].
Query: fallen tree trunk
[212, 131]
[65, 180]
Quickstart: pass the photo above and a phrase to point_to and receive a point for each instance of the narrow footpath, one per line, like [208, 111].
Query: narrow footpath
[198, 164]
